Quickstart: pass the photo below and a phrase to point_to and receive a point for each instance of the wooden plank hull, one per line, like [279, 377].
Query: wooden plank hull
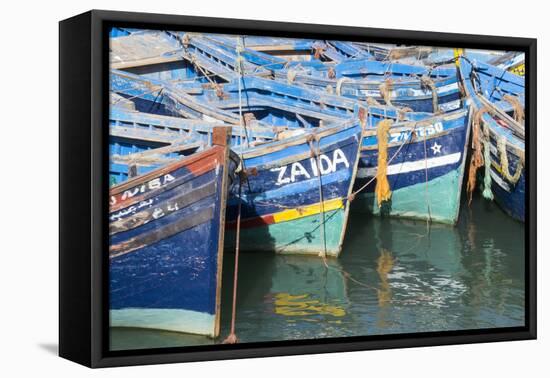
[510, 197]
[282, 207]
[487, 92]
[166, 241]
[412, 96]
[404, 92]
[426, 173]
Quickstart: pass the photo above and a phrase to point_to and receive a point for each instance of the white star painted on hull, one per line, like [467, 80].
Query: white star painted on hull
[436, 148]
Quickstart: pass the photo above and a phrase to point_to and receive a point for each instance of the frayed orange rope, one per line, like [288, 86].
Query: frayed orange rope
[477, 157]
[382, 190]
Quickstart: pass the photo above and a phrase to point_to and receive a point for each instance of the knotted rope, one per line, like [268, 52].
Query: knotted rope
[371, 101]
[427, 82]
[504, 165]
[477, 156]
[318, 51]
[402, 112]
[519, 113]
[339, 83]
[385, 89]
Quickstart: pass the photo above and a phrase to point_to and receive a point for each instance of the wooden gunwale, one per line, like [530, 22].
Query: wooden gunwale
[295, 141]
[145, 62]
[139, 180]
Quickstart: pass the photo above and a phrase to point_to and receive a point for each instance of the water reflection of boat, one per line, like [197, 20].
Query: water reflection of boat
[415, 274]
[302, 297]
[304, 287]
[410, 273]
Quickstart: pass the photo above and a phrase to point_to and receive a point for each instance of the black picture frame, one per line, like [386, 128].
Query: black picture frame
[83, 110]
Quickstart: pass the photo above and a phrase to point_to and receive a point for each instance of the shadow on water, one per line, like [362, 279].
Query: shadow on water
[393, 276]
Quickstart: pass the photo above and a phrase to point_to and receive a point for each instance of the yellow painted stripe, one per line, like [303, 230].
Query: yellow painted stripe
[457, 53]
[291, 214]
[518, 70]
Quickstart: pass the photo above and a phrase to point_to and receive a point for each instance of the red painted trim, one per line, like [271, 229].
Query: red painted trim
[264, 220]
[193, 162]
[197, 165]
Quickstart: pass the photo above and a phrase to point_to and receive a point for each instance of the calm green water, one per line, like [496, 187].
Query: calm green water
[394, 276]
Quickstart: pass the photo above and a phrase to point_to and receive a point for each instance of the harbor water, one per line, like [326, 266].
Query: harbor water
[393, 276]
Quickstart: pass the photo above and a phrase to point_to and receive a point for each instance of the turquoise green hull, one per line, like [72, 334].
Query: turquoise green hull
[442, 195]
[302, 236]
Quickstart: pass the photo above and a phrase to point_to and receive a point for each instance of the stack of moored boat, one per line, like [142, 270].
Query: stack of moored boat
[280, 139]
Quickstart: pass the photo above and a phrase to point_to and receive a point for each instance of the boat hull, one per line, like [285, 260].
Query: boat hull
[509, 196]
[425, 176]
[505, 134]
[282, 209]
[166, 241]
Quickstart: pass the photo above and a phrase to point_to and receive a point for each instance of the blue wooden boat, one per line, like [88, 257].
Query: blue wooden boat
[166, 236]
[397, 53]
[420, 88]
[295, 196]
[146, 51]
[312, 52]
[290, 49]
[498, 138]
[504, 89]
[162, 97]
[512, 61]
[425, 168]
[283, 208]
[278, 103]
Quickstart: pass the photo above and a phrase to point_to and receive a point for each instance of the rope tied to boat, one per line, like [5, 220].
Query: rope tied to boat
[385, 90]
[331, 73]
[240, 71]
[290, 76]
[339, 83]
[487, 192]
[402, 112]
[371, 101]
[232, 337]
[185, 41]
[362, 116]
[216, 86]
[477, 159]
[382, 189]
[352, 195]
[426, 187]
[318, 51]
[519, 113]
[315, 153]
[427, 82]
[504, 164]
